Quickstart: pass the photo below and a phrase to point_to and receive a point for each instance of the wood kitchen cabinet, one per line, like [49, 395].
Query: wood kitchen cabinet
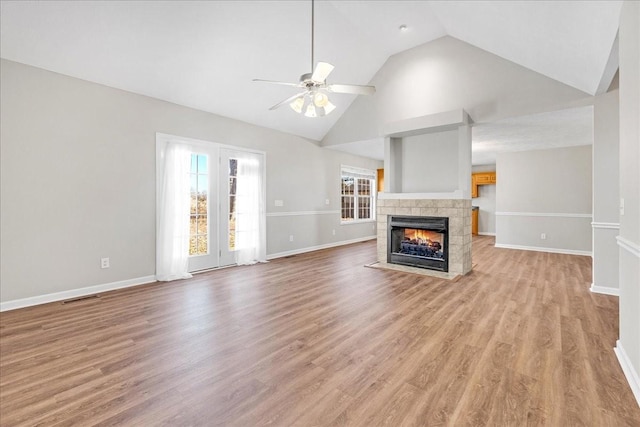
[485, 178]
[481, 178]
[474, 186]
[474, 221]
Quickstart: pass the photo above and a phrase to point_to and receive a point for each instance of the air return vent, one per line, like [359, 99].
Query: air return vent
[69, 301]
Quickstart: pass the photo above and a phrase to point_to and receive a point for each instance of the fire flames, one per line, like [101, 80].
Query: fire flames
[423, 235]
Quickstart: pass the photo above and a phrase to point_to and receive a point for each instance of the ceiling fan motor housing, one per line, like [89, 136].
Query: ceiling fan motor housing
[307, 81]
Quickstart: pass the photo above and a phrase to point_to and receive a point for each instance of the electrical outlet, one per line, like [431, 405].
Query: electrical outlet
[543, 236]
[291, 238]
[104, 263]
[621, 206]
[327, 201]
[279, 203]
[334, 232]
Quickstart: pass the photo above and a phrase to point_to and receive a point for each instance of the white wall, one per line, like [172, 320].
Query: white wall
[606, 165]
[545, 191]
[78, 181]
[628, 347]
[486, 202]
[445, 75]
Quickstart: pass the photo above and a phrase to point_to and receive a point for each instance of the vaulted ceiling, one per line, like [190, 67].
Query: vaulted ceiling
[204, 55]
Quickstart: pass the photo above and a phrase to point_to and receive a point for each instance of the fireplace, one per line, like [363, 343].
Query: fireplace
[418, 241]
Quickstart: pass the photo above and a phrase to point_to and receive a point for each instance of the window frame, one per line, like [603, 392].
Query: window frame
[358, 173]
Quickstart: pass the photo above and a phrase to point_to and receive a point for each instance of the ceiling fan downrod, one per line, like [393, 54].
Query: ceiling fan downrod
[312, 33]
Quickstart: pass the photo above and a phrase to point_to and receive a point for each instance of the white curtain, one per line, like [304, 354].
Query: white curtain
[172, 252]
[250, 211]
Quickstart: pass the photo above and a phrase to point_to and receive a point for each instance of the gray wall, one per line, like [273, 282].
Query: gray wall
[445, 75]
[629, 271]
[606, 178]
[78, 181]
[486, 202]
[545, 191]
[429, 162]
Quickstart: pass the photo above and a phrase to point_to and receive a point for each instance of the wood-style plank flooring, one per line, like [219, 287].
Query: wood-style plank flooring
[319, 339]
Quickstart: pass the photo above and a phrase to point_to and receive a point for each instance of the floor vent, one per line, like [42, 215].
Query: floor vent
[69, 301]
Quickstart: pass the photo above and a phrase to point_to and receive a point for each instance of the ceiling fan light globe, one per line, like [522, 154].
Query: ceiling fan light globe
[297, 104]
[311, 111]
[320, 99]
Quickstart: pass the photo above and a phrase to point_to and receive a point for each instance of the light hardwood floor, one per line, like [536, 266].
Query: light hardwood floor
[319, 339]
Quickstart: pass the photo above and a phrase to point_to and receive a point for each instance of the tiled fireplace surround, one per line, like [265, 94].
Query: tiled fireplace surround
[459, 213]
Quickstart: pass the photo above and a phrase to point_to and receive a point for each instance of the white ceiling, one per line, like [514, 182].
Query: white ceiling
[554, 129]
[564, 128]
[204, 54]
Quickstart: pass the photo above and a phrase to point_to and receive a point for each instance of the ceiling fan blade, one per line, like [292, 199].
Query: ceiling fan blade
[277, 83]
[354, 89]
[323, 69]
[288, 100]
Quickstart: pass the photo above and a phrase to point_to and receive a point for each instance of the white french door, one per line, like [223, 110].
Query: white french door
[213, 178]
[243, 211]
[228, 186]
[204, 250]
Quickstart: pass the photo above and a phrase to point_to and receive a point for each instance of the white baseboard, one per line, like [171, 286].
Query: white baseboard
[546, 214]
[482, 233]
[74, 293]
[318, 247]
[629, 372]
[90, 290]
[604, 290]
[539, 249]
[303, 213]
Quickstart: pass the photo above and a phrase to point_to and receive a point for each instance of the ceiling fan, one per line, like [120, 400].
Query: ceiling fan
[313, 100]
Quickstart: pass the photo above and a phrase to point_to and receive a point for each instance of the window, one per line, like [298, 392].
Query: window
[199, 228]
[357, 195]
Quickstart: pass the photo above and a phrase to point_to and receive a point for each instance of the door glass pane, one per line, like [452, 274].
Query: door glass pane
[202, 225]
[202, 165]
[193, 225]
[233, 167]
[233, 182]
[199, 227]
[202, 245]
[193, 250]
[202, 203]
[232, 186]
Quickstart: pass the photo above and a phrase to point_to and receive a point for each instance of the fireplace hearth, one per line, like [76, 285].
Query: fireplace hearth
[418, 241]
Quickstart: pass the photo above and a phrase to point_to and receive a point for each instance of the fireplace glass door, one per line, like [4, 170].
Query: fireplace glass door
[419, 242]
